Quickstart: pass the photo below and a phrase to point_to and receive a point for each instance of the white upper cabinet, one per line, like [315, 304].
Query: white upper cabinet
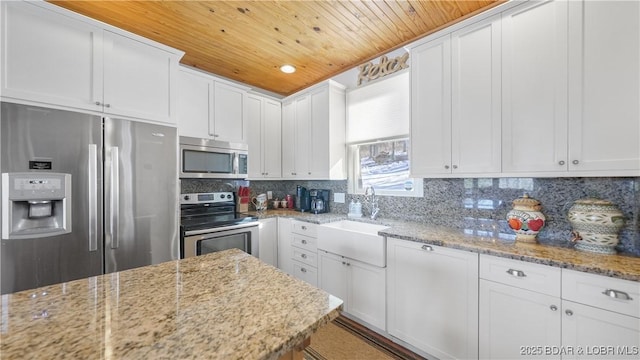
[476, 98]
[455, 107]
[138, 79]
[54, 57]
[264, 122]
[228, 121]
[313, 135]
[195, 103]
[534, 87]
[211, 108]
[604, 87]
[431, 108]
[571, 84]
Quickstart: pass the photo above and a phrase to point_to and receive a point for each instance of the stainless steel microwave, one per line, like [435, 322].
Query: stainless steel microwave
[203, 158]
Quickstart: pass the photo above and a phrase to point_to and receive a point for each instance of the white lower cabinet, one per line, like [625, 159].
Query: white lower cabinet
[268, 240]
[432, 298]
[361, 286]
[284, 245]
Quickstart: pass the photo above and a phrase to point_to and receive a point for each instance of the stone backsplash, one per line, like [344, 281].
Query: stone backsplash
[479, 206]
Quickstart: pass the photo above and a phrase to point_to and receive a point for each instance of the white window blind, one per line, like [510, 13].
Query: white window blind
[379, 110]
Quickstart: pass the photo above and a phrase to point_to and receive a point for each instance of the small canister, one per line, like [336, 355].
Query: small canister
[289, 199]
[526, 219]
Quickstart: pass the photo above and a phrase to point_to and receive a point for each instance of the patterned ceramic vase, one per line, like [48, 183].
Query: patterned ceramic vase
[596, 224]
[526, 219]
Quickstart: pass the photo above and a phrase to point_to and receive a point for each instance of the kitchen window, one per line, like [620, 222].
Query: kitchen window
[378, 138]
[383, 165]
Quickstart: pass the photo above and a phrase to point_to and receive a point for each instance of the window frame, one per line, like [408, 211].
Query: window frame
[353, 171]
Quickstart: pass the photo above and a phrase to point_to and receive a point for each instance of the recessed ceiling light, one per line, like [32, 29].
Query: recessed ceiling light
[288, 69]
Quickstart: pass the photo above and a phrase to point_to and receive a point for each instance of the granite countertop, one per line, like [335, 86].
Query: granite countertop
[617, 266]
[225, 305]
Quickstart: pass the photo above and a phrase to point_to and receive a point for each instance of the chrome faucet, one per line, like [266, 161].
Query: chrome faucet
[371, 201]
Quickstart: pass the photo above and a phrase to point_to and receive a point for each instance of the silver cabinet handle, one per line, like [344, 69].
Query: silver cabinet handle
[427, 247]
[553, 308]
[446, 166]
[568, 312]
[455, 167]
[303, 270]
[107, 105]
[304, 242]
[115, 198]
[92, 196]
[348, 264]
[98, 103]
[303, 227]
[616, 294]
[304, 256]
[517, 273]
[561, 162]
[575, 162]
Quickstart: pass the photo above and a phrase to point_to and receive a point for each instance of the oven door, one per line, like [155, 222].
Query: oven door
[200, 242]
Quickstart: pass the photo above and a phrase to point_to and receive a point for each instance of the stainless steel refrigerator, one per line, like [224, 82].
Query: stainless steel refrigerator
[120, 207]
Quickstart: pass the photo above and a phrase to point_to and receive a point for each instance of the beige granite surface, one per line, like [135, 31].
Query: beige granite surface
[618, 266]
[225, 305]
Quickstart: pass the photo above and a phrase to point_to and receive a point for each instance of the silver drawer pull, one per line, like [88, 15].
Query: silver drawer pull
[427, 247]
[553, 308]
[518, 273]
[304, 227]
[617, 294]
[568, 312]
[304, 256]
[304, 242]
[303, 270]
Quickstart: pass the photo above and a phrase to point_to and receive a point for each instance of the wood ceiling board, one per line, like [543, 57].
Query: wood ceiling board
[321, 38]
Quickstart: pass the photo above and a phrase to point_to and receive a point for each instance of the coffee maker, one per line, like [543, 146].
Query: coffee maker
[303, 201]
[319, 200]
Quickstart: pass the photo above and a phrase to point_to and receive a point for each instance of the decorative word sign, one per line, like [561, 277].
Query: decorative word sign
[371, 71]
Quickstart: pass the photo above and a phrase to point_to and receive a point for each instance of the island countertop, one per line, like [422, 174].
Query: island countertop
[225, 305]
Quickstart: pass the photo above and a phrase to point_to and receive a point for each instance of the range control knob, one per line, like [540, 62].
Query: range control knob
[221, 196]
[228, 196]
[187, 197]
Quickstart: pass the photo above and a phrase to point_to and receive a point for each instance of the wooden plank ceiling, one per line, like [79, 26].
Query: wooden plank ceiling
[248, 41]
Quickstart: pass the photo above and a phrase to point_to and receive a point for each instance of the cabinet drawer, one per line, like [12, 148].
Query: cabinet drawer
[305, 242]
[622, 296]
[305, 272]
[304, 228]
[305, 256]
[529, 276]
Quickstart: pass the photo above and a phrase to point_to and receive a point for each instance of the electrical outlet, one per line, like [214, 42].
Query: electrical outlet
[269, 195]
[338, 198]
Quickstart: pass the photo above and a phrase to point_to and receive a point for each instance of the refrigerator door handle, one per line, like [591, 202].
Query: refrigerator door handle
[115, 190]
[93, 197]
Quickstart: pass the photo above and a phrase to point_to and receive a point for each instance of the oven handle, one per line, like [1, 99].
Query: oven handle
[219, 229]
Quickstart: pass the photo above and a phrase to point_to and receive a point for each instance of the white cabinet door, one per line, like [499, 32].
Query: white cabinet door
[255, 136]
[600, 334]
[138, 79]
[513, 321]
[319, 134]
[366, 297]
[534, 87]
[604, 86]
[228, 122]
[268, 240]
[195, 104]
[289, 139]
[431, 108]
[476, 98]
[432, 297]
[50, 58]
[302, 156]
[284, 245]
[333, 277]
[272, 135]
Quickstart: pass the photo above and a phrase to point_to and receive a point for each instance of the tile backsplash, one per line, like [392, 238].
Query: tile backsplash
[479, 206]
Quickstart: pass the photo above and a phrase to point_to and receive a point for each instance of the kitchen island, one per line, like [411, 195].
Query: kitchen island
[225, 305]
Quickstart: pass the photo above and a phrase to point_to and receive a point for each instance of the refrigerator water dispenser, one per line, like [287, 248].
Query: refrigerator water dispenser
[35, 205]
